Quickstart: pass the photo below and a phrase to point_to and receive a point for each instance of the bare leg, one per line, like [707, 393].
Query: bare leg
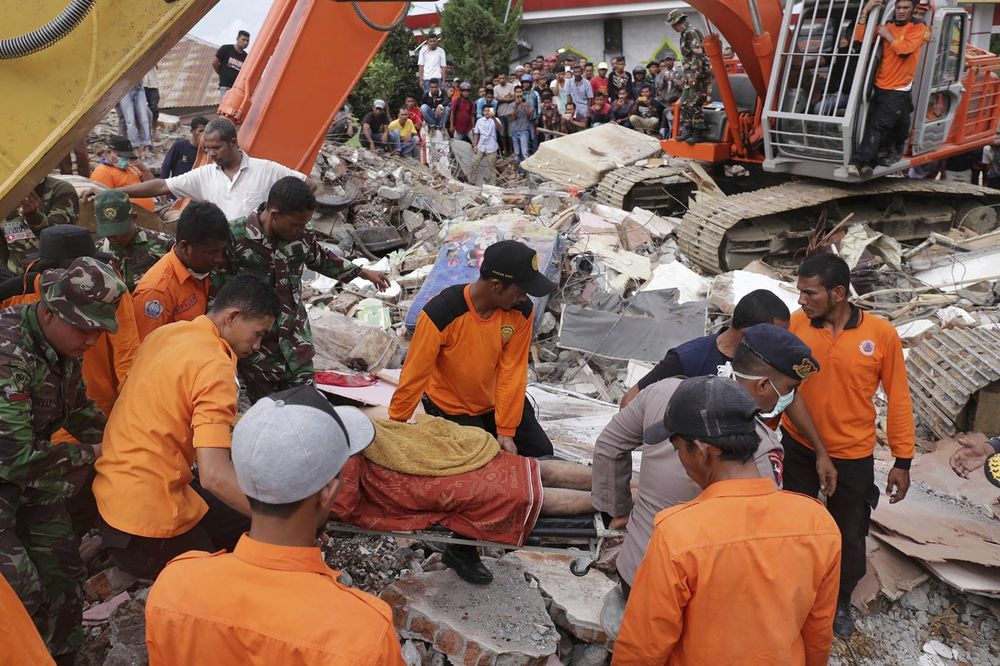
[565, 474]
[565, 502]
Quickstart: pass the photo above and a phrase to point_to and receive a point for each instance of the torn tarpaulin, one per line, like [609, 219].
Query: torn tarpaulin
[624, 337]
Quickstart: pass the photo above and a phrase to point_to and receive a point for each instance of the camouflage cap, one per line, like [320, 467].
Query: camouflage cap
[113, 210]
[675, 16]
[85, 295]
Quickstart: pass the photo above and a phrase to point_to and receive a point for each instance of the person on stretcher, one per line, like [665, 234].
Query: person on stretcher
[435, 472]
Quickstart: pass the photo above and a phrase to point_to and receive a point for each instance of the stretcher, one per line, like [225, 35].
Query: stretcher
[571, 533]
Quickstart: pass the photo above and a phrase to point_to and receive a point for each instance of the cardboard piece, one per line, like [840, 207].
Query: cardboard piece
[968, 577]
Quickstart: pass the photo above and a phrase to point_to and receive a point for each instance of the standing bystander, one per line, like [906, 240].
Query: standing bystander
[229, 60]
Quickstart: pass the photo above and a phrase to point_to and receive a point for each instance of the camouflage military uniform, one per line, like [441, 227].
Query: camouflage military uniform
[286, 352]
[60, 205]
[133, 261]
[696, 79]
[40, 392]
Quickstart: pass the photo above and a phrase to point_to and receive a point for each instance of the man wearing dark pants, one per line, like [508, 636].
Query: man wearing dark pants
[856, 352]
[891, 104]
[470, 352]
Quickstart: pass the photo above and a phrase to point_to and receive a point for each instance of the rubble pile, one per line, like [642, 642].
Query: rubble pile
[625, 295]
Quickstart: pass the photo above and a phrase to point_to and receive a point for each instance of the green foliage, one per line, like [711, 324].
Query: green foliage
[476, 39]
[391, 75]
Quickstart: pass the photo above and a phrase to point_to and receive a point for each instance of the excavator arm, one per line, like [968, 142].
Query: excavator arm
[65, 63]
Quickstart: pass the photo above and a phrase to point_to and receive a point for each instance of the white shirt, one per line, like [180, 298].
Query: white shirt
[236, 197]
[432, 60]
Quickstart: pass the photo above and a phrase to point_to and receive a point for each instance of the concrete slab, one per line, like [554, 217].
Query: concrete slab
[584, 158]
[504, 622]
[574, 602]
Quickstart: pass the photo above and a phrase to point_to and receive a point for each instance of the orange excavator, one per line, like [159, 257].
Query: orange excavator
[792, 115]
[65, 63]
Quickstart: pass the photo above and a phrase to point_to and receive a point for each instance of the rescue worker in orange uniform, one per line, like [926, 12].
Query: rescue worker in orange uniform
[176, 287]
[700, 595]
[857, 352]
[891, 105]
[274, 600]
[177, 408]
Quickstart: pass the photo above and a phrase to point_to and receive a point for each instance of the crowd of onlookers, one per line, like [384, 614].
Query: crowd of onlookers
[511, 114]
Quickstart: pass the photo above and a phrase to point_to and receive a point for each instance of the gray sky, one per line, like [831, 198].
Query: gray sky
[229, 16]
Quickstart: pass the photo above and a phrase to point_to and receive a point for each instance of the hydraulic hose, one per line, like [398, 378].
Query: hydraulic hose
[48, 34]
[376, 26]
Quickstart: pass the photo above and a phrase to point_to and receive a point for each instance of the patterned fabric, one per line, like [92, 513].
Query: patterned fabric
[696, 79]
[19, 237]
[498, 502]
[285, 357]
[137, 257]
[85, 295]
[40, 392]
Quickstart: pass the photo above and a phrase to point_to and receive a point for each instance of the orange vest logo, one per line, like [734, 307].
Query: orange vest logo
[506, 333]
[867, 347]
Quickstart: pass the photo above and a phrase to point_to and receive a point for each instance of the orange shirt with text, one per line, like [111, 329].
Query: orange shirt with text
[167, 292]
[864, 355]
[467, 364]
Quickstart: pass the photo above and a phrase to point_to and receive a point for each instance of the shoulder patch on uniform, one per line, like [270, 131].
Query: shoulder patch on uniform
[447, 306]
[154, 309]
[19, 386]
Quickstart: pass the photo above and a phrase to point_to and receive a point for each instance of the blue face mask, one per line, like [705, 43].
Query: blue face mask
[783, 400]
[122, 162]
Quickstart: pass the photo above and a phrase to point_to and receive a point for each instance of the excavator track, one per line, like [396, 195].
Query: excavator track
[664, 189]
[722, 233]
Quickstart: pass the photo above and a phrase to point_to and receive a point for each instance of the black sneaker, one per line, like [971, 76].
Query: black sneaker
[466, 563]
[843, 623]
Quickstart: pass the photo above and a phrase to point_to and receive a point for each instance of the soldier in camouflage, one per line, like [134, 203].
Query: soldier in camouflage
[696, 79]
[275, 243]
[53, 201]
[135, 250]
[41, 390]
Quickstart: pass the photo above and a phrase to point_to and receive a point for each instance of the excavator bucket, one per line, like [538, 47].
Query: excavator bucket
[55, 96]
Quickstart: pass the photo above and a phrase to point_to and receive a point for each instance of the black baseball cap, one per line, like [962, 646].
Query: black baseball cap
[122, 146]
[513, 260]
[705, 407]
[781, 349]
[60, 244]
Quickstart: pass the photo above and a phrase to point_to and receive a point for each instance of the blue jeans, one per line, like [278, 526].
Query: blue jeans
[522, 145]
[135, 111]
[431, 119]
[407, 147]
[534, 139]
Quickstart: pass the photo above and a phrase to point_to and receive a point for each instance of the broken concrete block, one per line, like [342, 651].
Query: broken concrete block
[504, 622]
[574, 602]
[391, 193]
[107, 584]
[413, 220]
[583, 159]
[690, 285]
[729, 288]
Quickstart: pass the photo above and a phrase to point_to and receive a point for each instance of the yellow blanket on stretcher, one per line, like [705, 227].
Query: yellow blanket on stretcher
[431, 447]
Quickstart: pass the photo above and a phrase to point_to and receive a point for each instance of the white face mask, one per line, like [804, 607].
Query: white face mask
[198, 276]
[784, 401]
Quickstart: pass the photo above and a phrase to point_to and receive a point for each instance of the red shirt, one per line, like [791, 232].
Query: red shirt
[463, 113]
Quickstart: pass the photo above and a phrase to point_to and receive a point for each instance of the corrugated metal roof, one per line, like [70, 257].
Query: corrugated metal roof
[186, 75]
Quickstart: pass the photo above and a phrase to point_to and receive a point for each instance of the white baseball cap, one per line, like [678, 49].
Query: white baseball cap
[292, 443]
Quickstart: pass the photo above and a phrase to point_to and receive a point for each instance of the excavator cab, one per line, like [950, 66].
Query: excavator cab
[816, 111]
